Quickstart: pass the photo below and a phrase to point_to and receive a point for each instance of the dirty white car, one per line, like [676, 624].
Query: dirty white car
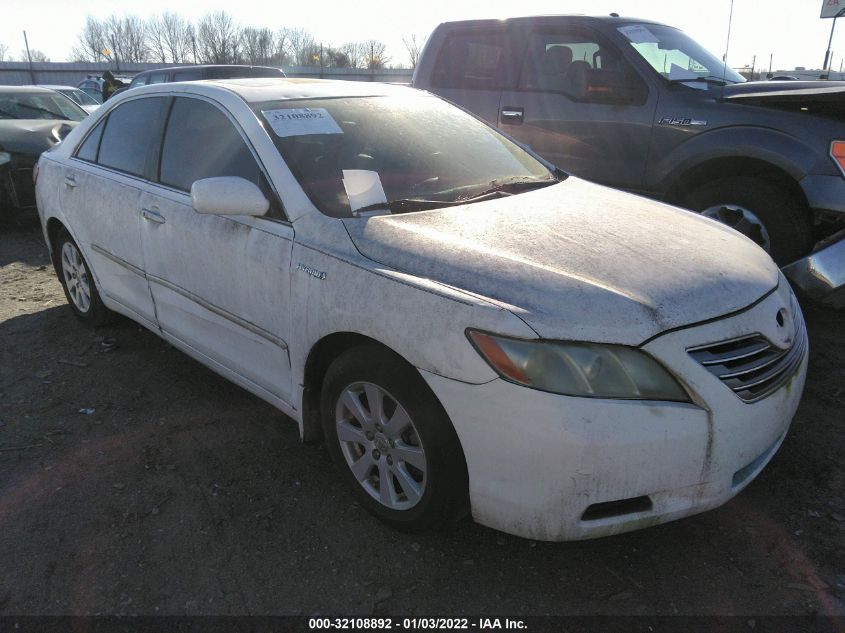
[467, 327]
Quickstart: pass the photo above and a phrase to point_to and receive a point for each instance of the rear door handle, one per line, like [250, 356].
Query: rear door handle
[70, 180]
[512, 115]
[153, 216]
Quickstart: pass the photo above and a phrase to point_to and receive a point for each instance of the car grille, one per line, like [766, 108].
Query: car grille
[751, 366]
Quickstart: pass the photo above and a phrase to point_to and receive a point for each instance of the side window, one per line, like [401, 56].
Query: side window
[129, 135]
[158, 78]
[471, 61]
[140, 80]
[581, 67]
[201, 142]
[191, 74]
[88, 149]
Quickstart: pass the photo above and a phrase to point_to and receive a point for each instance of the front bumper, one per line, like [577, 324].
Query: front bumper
[551, 467]
[825, 193]
[821, 274]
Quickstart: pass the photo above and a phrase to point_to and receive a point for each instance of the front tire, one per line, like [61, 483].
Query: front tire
[78, 283]
[763, 211]
[392, 441]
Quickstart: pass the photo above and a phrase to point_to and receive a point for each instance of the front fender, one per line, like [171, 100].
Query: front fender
[775, 148]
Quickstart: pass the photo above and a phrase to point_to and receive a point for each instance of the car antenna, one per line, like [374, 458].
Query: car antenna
[727, 47]
[614, 15]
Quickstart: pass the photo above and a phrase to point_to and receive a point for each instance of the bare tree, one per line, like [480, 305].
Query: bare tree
[281, 52]
[155, 39]
[336, 58]
[3, 52]
[91, 43]
[121, 39]
[35, 55]
[355, 53]
[374, 54]
[169, 38]
[302, 48]
[258, 45]
[413, 46]
[218, 38]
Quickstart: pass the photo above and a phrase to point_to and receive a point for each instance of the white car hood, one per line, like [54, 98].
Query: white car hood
[578, 261]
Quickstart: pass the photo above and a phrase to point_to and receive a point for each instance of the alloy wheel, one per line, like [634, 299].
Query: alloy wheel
[381, 445]
[75, 275]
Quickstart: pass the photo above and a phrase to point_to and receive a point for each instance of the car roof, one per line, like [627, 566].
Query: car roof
[54, 87]
[546, 19]
[279, 89]
[202, 66]
[26, 90]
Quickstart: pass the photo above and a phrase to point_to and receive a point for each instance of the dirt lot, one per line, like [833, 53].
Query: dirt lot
[135, 481]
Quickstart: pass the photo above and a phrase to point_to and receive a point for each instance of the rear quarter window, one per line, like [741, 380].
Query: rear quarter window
[471, 61]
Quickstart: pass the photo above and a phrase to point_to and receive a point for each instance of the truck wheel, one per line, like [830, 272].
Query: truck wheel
[761, 210]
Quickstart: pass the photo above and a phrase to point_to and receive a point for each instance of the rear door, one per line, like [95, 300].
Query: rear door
[221, 284]
[102, 197]
[471, 70]
[580, 104]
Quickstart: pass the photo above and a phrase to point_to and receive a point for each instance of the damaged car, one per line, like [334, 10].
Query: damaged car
[468, 328]
[32, 120]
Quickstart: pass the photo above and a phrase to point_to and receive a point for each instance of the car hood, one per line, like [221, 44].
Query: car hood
[30, 136]
[819, 97]
[578, 261]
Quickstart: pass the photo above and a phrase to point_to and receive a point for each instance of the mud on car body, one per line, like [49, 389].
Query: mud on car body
[466, 326]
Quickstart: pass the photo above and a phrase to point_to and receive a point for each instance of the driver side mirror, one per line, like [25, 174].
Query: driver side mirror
[228, 195]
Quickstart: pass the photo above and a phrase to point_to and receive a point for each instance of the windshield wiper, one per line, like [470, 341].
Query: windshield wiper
[406, 205]
[503, 188]
[510, 186]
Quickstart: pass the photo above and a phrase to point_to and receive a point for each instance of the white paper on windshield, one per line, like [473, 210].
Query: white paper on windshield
[679, 73]
[637, 34]
[301, 121]
[363, 188]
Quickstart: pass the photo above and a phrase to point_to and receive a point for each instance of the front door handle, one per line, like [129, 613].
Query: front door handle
[511, 115]
[153, 215]
[70, 181]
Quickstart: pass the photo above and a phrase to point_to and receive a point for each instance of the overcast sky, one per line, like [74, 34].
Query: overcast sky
[791, 29]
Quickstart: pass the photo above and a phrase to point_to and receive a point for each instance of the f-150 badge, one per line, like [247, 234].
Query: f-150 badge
[682, 121]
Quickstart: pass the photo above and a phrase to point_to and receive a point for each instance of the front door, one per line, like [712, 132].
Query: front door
[581, 105]
[221, 284]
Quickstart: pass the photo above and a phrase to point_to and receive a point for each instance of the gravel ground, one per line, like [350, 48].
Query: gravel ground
[135, 481]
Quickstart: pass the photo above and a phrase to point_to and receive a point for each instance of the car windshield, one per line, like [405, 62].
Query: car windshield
[35, 105]
[421, 151]
[79, 97]
[676, 56]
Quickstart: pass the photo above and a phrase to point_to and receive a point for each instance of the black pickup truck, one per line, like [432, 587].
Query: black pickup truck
[641, 106]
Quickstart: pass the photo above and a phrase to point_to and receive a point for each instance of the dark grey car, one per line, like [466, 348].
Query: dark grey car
[641, 106]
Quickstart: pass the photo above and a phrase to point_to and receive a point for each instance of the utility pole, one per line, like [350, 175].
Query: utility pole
[753, 66]
[29, 57]
[827, 55]
[771, 56]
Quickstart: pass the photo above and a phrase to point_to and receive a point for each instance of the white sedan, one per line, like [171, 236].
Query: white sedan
[466, 326]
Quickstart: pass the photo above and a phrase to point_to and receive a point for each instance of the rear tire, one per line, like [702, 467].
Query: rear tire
[779, 222]
[392, 441]
[77, 282]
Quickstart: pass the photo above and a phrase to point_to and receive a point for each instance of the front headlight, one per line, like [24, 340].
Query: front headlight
[579, 369]
[5, 157]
